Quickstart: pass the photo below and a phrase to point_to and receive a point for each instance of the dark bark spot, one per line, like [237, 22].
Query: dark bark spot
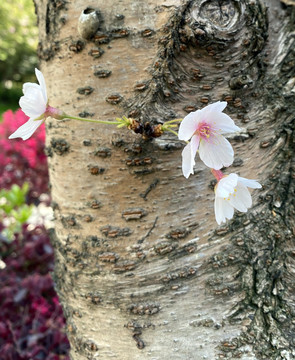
[176, 234]
[222, 231]
[94, 204]
[60, 4]
[144, 171]
[212, 184]
[118, 142]
[109, 257]
[102, 73]
[238, 162]
[237, 102]
[123, 266]
[240, 82]
[228, 98]
[139, 342]
[90, 345]
[196, 74]
[94, 297]
[87, 142]
[88, 218]
[133, 214]
[134, 148]
[48, 151]
[103, 152]
[59, 146]
[86, 90]
[113, 231]
[95, 170]
[114, 99]
[119, 33]
[205, 99]
[141, 86]
[134, 113]
[96, 52]
[190, 108]
[86, 114]
[101, 38]
[206, 87]
[139, 161]
[266, 143]
[93, 240]
[144, 309]
[69, 221]
[119, 17]
[180, 274]
[77, 46]
[165, 247]
[147, 33]
[77, 313]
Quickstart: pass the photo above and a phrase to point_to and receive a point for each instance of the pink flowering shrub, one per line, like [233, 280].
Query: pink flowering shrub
[32, 326]
[22, 161]
[31, 320]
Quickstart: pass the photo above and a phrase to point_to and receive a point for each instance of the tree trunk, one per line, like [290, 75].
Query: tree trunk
[142, 270]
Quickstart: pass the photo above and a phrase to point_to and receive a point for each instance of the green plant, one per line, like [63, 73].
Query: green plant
[18, 49]
[14, 212]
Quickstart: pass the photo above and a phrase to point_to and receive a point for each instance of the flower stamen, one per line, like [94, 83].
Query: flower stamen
[204, 131]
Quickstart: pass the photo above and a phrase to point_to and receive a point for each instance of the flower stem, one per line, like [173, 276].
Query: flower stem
[218, 174]
[172, 121]
[172, 131]
[92, 120]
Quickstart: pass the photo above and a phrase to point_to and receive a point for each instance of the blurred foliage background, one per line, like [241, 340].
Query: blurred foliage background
[18, 49]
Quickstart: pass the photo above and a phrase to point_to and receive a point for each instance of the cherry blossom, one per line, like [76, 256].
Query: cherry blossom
[204, 127]
[231, 193]
[34, 104]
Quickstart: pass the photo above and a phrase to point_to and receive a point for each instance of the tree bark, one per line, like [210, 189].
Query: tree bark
[142, 270]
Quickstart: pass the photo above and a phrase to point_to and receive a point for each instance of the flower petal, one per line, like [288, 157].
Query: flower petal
[253, 184]
[42, 83]
[188, 126]
[223, 210]
[217, 152]
[30, 87]
[27, 129]
[226, 185]
[33, 108]
[218, 106]
[188, 161]
[242, 199]
[222, 123]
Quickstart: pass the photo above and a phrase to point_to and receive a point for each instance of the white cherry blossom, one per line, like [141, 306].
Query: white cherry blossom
[231, 193]
[34, 105]
[204, 127]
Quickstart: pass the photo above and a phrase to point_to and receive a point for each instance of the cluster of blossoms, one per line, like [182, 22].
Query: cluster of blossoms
[204, 129]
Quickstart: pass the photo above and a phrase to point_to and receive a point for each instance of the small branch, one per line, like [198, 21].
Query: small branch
[149, 232]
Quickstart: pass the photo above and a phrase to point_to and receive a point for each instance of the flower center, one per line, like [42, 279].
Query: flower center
[230, 194]
[204, 130]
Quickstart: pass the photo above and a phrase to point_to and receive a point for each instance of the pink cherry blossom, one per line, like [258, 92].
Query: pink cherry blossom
[204, 127]
[231, 193]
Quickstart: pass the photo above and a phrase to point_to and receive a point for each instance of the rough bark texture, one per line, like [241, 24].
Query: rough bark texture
[142, 270]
